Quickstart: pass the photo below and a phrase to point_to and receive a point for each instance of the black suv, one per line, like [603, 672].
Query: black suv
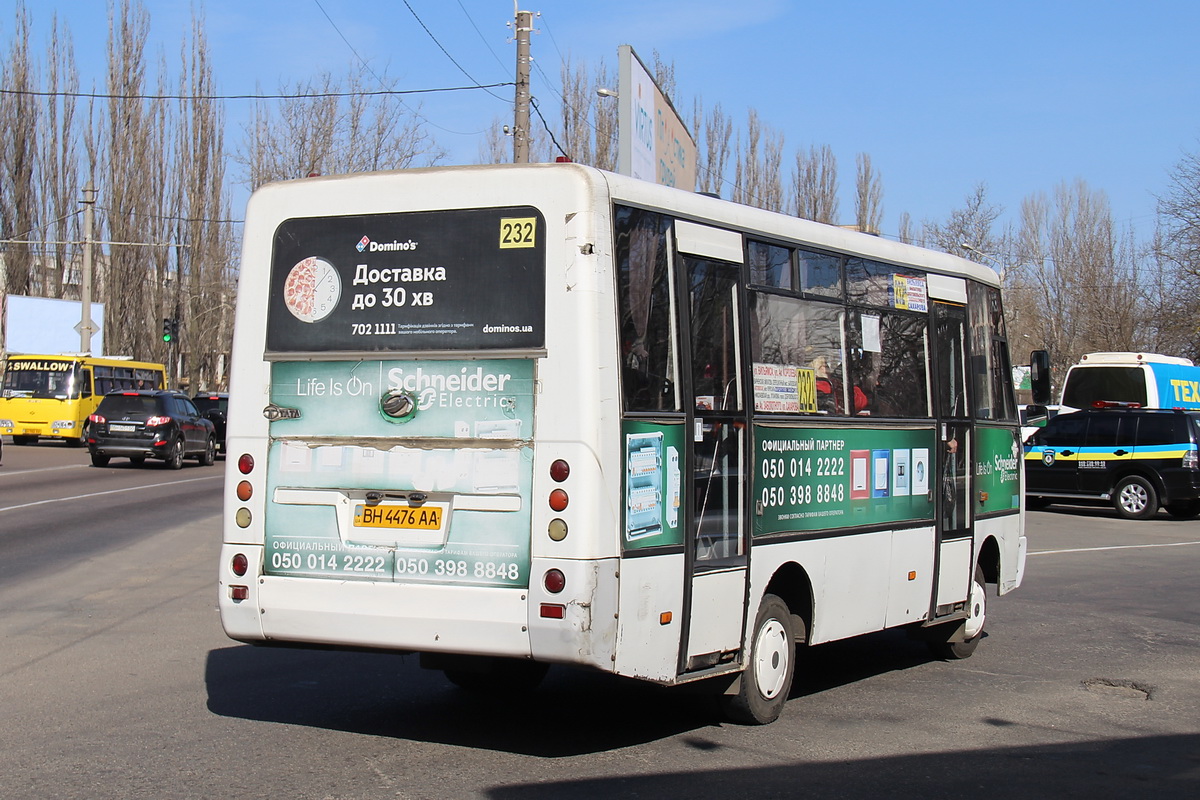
[214, 406]
[1138, 459]
[150, 424]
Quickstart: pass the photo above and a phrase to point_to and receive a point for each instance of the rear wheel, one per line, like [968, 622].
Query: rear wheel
[99, 460]
[209, 456]
[1135, 498]
[767, 679]
[971, 627]
[175, 455]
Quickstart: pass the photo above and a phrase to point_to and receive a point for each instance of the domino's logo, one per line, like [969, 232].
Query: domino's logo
[362, 243]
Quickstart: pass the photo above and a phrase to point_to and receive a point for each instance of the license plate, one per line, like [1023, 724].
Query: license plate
[422, 518]
[122, 428]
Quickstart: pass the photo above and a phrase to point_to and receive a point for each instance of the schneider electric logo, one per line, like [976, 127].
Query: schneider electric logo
[366, 243]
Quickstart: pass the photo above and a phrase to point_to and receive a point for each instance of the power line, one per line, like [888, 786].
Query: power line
[257, 96]
[443, 49]
[367, 67]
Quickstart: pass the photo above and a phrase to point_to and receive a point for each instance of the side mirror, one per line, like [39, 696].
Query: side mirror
[1039, 376]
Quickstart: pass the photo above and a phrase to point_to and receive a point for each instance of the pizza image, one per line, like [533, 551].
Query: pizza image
[312, 289]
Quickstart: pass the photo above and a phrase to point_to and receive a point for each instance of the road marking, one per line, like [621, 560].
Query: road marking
[1111, 547]
[14, 473]
[110, 491]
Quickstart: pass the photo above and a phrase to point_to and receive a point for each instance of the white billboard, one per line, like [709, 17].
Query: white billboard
[653, 143]
[46, 325]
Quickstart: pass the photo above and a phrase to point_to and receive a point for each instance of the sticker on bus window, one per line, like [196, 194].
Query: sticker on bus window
[518, 232]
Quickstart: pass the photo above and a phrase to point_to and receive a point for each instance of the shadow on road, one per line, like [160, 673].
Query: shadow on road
[1157, 766]
[573, 711]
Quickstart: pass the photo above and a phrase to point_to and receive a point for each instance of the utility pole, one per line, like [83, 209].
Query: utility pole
[524, 26]
[86, 326]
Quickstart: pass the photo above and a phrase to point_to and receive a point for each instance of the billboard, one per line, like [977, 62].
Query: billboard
[653, 143]
[46, 325]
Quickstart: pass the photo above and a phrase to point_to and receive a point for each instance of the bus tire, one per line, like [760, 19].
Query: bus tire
[1135, 498]
[175, 455]
[99, 460]
[766, 680]
[972, 627]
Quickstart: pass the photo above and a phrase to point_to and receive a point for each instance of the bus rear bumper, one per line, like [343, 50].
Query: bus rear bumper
[448, 619]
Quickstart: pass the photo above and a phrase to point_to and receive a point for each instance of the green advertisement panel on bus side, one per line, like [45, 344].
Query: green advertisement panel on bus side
[809, 479]
[998, 465]
[654, 492]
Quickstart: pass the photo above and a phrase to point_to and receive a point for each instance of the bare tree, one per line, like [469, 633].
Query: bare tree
[606, 123]
[759, 158]
[868, 196]
[714, 149]
[1080, 276]
[331, 126]
[815, 185]
[200, 203]
[133, 182]
[907, 230]
[576, 131]
[59, 158]
[968, 230]
[19, 114]
[1173, 289]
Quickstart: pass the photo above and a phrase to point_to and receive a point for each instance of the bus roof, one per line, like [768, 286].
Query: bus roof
[315, 196]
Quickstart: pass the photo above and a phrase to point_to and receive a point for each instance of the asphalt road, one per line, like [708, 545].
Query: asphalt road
[116, 680]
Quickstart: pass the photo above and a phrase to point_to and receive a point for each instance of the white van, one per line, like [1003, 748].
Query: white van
[1147, 379]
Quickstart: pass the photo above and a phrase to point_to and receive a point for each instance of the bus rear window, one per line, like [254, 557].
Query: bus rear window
[1087, 385]
[469, 279]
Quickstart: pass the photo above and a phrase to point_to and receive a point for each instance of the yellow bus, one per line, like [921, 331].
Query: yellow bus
[51, 396]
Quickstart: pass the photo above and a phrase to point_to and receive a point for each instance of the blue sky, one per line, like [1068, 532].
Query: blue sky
[1016, 94]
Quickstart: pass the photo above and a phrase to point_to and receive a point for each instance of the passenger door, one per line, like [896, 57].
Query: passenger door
[952, 487]
[716, 460]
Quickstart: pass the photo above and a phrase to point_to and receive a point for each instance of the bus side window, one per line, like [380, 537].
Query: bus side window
[648, 353]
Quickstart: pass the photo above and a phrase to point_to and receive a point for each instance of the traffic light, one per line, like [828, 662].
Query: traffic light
[170, 330]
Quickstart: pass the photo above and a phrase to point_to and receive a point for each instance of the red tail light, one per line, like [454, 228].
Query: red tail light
[99, 420]
[246, 464]
[554, 581]
[154, 422]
